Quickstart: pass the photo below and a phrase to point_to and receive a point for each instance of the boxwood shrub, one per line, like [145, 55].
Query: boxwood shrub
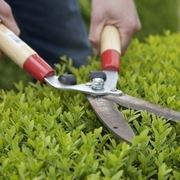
[51, 134]
[11, 73]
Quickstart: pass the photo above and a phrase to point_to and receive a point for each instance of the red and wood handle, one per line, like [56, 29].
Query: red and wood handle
[23, 55]
[110, 48]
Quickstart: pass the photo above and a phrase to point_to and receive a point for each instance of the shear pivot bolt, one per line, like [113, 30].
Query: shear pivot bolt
[97, 84]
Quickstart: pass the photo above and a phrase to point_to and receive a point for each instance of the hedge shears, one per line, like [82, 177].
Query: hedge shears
[101, 90]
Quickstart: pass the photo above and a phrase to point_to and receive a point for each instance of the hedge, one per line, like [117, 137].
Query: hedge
[50, 134]
[10, 74]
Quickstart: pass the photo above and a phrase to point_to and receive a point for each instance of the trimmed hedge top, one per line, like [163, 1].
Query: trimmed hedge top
[48, 134]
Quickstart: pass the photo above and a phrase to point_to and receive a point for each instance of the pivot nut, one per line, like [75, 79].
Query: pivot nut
[97, 84]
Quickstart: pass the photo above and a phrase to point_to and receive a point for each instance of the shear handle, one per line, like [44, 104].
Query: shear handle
[23, 55]
[110, 48]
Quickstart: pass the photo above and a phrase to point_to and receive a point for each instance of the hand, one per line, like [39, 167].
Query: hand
[6, 17]
[120, 13]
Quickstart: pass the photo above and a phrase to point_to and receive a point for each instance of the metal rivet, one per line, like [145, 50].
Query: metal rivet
[97, 84]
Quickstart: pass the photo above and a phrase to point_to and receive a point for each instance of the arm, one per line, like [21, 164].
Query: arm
[120, 13]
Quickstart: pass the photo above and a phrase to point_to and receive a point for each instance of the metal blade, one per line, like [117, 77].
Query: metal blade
[139, 104]
[111, 81]
[111, 118]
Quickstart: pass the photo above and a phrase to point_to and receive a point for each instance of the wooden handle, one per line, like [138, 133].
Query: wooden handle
[23, 55]
[110, 48]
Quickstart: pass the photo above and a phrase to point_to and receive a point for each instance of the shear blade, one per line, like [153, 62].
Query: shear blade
[112, 78]
[111, 118]
[139, 104]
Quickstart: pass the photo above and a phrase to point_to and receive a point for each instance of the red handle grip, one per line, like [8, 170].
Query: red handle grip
[110, 60]
[37, 67]
[23, 55]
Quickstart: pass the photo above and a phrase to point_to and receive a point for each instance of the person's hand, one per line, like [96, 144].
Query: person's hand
[120, 13]
[6, 17]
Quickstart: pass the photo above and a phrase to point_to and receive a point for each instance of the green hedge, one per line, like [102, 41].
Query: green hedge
[49, 134]
[10, 74]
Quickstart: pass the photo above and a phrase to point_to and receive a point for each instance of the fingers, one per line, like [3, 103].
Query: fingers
[95, 34]
[7, 18]
[96, 27]
[127, 32]
[120, 13]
